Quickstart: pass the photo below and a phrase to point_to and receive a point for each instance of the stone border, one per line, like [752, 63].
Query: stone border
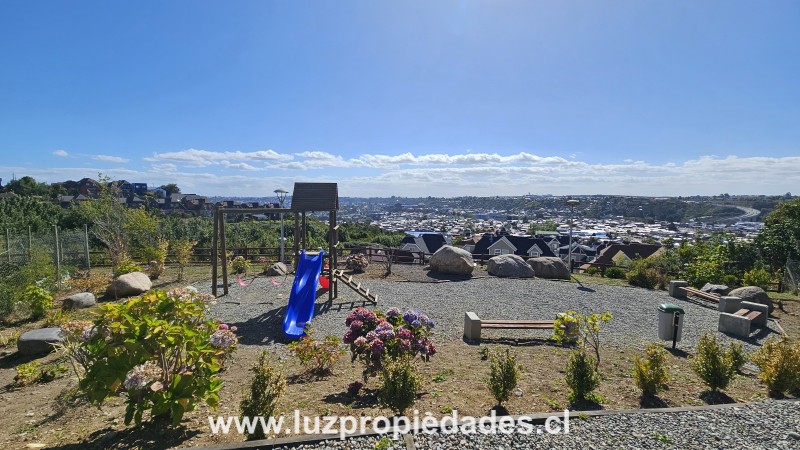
[537, 419]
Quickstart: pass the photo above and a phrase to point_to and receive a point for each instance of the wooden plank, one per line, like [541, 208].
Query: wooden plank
[741, 312]
[517, 326]
[518, 322]
[753, 315]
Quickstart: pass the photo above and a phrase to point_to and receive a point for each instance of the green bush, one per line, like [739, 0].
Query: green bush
[712, 364]
[239, 265]
[779, 361]
[266, 389]
[757, 277]
[737, 356]
[160, 350]
[642, 275]
[614, 272]
[571, 327]
[27, 373]
[592, 271]
[400, 382]
[127, 266]
[650, 372]
[503, 375]
[38, 300]
[317, 356]
[582, 376]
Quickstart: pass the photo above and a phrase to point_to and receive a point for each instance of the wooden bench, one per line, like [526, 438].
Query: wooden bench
[740, 322]
[700, 294]
[474, 324]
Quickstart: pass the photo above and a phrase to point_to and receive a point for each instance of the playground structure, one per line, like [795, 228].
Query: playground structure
[309, 266]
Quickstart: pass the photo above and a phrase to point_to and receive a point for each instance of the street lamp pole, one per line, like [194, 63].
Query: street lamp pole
[281, 194]
[571, 203]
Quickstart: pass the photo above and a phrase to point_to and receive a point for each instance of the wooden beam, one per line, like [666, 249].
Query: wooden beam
[214, 253]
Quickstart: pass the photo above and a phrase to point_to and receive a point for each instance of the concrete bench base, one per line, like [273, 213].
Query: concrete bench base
[739, 325]
[676, 289]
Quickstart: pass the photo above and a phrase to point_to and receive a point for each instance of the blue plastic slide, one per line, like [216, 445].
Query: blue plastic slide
[304, 293]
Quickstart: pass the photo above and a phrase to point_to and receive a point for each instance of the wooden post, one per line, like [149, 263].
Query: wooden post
[8, 245]
[224, 250]
[214, 253]
[296, 243]
[86, 247]
[58, 258]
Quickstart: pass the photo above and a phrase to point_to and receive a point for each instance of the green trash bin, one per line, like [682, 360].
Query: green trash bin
[668, 313]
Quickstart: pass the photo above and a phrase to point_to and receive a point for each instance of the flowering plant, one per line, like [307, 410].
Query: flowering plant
[239, 264]
[373, 336]
[357, 262]
[160, 350]
[154, 269]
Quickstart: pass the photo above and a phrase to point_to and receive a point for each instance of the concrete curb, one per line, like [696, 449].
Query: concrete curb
[537, 419]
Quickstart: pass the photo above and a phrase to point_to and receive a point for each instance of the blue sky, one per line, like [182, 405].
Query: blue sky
[440, 98]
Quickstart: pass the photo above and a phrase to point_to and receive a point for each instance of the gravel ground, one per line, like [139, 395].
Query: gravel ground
[767, 425]
[258, 309]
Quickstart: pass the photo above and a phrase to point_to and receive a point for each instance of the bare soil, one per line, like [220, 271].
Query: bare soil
[54, 415]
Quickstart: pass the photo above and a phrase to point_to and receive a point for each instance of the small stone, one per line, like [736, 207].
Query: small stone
[39, 341]
[794, 435]
[518, 393]
[80, 301]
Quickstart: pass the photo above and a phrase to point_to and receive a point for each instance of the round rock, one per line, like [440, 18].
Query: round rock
[452, 260]
[277, 269]
[130, 284]
[39, 341]
[753, 294]
[550, 267]
[80, 301]
[510, 266]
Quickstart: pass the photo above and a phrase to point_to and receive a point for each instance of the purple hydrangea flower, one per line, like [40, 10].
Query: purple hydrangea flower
[410, 316]
[393, 312]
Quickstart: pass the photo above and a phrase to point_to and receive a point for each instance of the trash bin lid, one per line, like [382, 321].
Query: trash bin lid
[671, 308]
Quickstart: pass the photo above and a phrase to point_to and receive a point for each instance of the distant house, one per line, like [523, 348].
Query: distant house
[504, 244]
[426, 243]
[623, 254]
[88, 187]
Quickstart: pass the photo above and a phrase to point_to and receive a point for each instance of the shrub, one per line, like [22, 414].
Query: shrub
[239, 264]
[160, 351]
[592, 271]
[374, 336]
[127, 266]
[265, 265]
[357, 262]
[154, 269]
[582, 377]
[614, 272]
[650, 372]
[737, 356]
[317, 356]
[642, 275]
[183, 254]
[38, 300]
[757, 277]
[57, 317]
[712, 364]
[400, 383]
[779, 361]
[90, 282]
[267, 387]
[27, 373]
[503, 375]
[570, 327]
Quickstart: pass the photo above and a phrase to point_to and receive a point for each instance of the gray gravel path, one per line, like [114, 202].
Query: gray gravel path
[258, 308]
[767, 425]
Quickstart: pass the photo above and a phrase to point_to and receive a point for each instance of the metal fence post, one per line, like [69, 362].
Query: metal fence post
[58, 257]
[30, 245]
[8, 245]
[86, 247]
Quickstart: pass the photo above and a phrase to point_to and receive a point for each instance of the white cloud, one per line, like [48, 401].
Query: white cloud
[108, 158]
[203, 158]
[61, 153]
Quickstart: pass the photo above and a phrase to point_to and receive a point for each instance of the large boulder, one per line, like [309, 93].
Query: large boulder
[130, 284]
[550, 267]
[452, 260]
[510, 266]
[753, 294]
[719, 289]
[39, 341]
[80, 301]
[277, 269]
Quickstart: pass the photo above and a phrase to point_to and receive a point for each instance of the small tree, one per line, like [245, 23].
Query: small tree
[650, 372]
[400, 383]
[712, 364]
[779, 361]
[582, 377]
[503, 375]
[183, 254]
[261, 399]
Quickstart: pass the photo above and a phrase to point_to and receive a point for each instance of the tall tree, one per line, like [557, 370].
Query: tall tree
[171, 188]
[780, 238]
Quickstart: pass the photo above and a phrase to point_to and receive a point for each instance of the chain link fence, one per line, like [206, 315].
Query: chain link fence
[67, 250]
[791, 277]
